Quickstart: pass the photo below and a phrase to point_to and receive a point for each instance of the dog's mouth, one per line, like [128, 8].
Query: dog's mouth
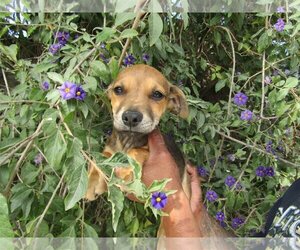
[142, 128]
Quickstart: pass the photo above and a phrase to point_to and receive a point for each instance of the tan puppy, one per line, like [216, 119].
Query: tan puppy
[139, 97]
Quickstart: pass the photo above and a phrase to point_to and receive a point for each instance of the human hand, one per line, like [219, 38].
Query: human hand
[160, 163]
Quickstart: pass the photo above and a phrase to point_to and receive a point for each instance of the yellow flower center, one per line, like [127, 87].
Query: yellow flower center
[158, 199]
[78, 93]
[67, 90]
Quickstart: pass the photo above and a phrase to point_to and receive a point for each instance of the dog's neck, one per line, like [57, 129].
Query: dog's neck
[122, 141]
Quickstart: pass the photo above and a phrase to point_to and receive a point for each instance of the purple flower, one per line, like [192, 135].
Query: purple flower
[237, 222]
[280, 9]
[211, 195]
[129, 60]
[260, 171]
[38, 159]
[240, 99]
[202, 171]
[269, 147]
[268, 80]
[68, 90]
[220, 216]
[145, 57]
[102, 45]
[246, 115]
[159, 200]
[230, 181]
[275, 72]
[45, 86]
[238, 186]
[62, 37]
[104, 59]
[269, 171]
[231, 157]
[287, 72]
[80, 93]
[279, 25]
[223, 224]
[54, 48]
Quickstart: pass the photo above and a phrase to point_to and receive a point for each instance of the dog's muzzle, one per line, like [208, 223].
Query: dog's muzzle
[132, 118]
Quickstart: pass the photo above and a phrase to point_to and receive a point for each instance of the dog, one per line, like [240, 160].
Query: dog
[139, 97]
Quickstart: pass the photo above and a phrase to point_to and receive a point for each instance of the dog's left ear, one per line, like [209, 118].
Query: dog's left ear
[177, 103]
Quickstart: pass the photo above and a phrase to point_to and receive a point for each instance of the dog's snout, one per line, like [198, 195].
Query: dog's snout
[132, 118]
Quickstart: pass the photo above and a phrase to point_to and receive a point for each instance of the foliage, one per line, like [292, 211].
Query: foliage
[47, 142]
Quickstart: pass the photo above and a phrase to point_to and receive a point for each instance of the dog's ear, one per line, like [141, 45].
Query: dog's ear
[177, 103]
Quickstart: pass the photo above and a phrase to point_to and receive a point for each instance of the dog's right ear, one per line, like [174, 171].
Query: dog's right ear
[177, 102]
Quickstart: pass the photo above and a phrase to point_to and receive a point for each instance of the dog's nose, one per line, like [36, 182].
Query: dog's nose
[132, 118]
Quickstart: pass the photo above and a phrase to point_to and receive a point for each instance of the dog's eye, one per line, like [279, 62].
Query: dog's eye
[156, 95]
[118, 90]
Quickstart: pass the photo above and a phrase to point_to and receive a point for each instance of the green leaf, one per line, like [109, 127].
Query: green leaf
[86, 37]
[217, 38]
[90, 84]
[263, 42]
[56, 77]
[291, 82]
[122, 6]
[99, 69]
[5, 228]
[158, 185]
[220, 84]
[116, 198]
[70, 68]
[105, 34]
[155, 27]
[55, 148]
[43, 67]
[124, 17]
[114, 68]
[76, 174]
[128, 33]
[10, 51]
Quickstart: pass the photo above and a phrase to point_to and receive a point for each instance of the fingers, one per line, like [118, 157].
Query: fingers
[156, 142]
[196, 196]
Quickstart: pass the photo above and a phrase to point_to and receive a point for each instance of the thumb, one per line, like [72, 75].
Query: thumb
[156, 142]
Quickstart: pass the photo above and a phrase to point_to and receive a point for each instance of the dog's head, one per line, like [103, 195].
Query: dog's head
[139, 97]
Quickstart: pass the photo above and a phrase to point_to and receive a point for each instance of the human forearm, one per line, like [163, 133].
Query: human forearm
[181, 221]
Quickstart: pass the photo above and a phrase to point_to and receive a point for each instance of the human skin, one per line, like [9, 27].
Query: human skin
[181, 221]
[187, 216]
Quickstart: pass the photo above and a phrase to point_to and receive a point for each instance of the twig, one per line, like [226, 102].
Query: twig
[233, 70]
[139, 13]
[30, 138]
[256, 148]
[47, 207]
[6, 83]
[86, 57]
[17, 167]
[81, 151]
[217, 158]
[23, 101]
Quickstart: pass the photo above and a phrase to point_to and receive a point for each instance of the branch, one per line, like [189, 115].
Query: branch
[6, 83]
[81, 151]
[257, 149]
[139, 13]
[17, 167]
[233, 69]
[47, 207]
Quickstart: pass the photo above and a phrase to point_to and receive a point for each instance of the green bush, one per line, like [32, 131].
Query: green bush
[47, 142]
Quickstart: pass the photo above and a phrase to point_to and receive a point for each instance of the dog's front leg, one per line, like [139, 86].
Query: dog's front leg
[96, 183]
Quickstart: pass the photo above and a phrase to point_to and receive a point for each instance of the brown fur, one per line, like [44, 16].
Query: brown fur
[138, 83]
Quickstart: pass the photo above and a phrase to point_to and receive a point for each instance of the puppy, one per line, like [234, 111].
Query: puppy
[139, 97]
